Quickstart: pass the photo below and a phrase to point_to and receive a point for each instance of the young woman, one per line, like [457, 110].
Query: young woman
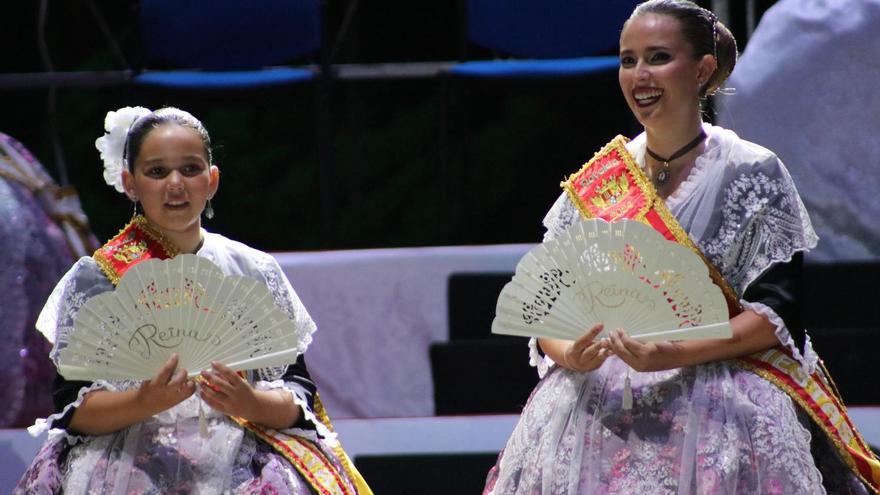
[265, 433]
[750, 414]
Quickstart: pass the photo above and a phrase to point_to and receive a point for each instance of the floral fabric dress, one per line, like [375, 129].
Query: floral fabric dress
[166, 454]
[42, 231]
[708, 429]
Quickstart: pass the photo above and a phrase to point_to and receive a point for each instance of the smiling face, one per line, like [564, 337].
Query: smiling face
[173, 179]
[659, 75]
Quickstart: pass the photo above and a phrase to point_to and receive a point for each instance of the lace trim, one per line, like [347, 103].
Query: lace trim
[47, 320]
[761, 224]
[561, 215]
[808, 359]
[322, 432]
[42, 425]
[702, 164]
[287, 299]
[802, 428]
[543, 363]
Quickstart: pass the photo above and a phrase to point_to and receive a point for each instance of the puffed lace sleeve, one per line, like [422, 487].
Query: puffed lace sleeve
[764, 229]
[561, 215]
[295, 378]
[83, 281]
[56, 321]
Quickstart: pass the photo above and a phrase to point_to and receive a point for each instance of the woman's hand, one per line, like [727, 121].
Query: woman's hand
[227, 392]
[586, 353]
[641, 356]
[167, 389]
[105, 411]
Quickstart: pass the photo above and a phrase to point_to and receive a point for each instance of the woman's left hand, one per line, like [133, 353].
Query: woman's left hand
[641, 356]
[227, 392]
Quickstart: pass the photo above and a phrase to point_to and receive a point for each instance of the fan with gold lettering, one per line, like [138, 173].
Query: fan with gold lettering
[622, 274]
[183, 305]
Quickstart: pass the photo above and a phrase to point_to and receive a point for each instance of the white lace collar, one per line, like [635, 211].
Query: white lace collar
[710, 155]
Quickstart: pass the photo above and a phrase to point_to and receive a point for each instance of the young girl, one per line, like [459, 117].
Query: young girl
[749, 414]
[265, 434]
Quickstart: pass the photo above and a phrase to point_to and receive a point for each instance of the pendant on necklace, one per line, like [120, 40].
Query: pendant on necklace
[662, 176]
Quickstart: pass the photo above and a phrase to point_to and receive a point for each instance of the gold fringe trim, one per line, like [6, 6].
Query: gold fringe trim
[839, 398]
[300, 462]
[143, 224]
[617, 144]
[353, 474]
[106, 267]
[157, 235]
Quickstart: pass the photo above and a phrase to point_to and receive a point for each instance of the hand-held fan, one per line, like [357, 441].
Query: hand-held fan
[622, 274]
[184, 305]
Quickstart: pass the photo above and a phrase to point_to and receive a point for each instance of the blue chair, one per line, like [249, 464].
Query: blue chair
[228, 44]
[541, 41]
[240, 46]
[548, 38]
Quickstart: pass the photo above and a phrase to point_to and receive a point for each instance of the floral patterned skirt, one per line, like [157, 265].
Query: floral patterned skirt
[708, 429]
[162, 459]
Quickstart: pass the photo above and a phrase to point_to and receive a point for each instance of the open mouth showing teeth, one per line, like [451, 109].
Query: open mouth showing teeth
[647, 97]
[176, 204]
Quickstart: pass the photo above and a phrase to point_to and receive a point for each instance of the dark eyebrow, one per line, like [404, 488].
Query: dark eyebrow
[648, 49]
[195, 157]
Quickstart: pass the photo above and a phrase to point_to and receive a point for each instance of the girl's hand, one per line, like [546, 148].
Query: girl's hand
[586, 353]
[167, 389]
[227, 392]
[641, 356]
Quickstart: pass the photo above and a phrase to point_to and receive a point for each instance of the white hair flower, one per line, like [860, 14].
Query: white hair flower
[112, 143]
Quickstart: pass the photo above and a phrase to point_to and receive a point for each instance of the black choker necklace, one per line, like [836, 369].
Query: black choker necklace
[663, 175]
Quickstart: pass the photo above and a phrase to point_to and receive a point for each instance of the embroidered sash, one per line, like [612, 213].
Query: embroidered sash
[139, 241]
[612, 186]
[305, 456]
[136, 242]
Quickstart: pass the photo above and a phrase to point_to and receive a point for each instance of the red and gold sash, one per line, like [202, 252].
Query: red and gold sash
[139, 241]
[136, 242]
[611, 186]
[305, 456]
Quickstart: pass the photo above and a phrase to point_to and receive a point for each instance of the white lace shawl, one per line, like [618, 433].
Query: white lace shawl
[85, 280]
[740, 207]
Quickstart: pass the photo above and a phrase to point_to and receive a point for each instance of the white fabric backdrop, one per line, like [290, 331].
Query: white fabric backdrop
[806, 87]
[377, 312]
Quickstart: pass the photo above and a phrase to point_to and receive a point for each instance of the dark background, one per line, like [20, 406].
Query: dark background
[510, 143]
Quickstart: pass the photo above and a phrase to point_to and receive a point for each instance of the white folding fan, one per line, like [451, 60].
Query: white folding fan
[623, 274]
[183, 305]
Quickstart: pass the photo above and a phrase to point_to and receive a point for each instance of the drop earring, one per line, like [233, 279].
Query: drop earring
[135, 212]
[209, 210]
